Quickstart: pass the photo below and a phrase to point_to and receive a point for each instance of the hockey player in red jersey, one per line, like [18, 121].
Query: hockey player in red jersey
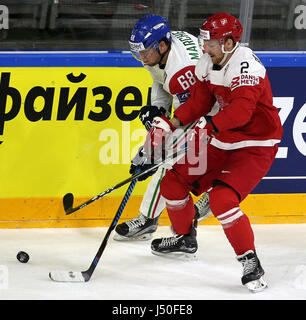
[242, 140]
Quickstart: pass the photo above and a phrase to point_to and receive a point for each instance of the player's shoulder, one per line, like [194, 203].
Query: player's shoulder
[244, 61]
[184, 51]
[183, 56]
[203, 66]
[243, 69]
[183, 35]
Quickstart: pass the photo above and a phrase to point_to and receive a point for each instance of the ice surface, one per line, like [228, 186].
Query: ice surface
[129, 271]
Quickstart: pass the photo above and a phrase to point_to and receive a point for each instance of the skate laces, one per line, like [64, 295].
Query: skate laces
[137, 222]
[201, 203]
[248, 265]
[170, 241]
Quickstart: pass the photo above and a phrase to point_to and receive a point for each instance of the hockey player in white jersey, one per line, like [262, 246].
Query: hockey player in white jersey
[170, 57]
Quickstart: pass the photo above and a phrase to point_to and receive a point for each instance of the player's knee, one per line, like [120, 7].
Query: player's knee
[222, 199]
[177, 205]
[171, 188]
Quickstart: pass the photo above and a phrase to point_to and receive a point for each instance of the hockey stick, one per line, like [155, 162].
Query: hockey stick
[84, 276]
[68, 198]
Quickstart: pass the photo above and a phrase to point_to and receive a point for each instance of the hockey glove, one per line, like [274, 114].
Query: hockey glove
[201, 134]
[148, 113]
[156, 138]
[140, 161]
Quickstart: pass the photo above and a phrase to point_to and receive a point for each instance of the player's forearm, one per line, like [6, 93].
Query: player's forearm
[175, 122]
[198, 104]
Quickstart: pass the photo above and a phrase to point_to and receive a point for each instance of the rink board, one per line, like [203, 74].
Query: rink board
[49, 213]
[69, 124]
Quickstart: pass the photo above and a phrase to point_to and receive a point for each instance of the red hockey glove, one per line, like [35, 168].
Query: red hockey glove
[201, 134]
[156, 137]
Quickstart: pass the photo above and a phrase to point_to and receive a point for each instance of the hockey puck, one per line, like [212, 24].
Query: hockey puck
[23, 257]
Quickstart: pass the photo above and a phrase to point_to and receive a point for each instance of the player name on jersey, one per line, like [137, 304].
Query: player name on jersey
[189, 43]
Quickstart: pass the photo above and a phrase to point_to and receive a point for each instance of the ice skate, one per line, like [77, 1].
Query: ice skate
[179, 246]
[202, 209]
[252, 272]
[139, 228]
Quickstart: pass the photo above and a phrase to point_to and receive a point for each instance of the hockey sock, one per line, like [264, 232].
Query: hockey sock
[181, 213]
[224, 203]
[179, 203]
[240, 235]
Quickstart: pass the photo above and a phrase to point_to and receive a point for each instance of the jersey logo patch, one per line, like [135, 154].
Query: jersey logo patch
[182, 97]
[244, 80]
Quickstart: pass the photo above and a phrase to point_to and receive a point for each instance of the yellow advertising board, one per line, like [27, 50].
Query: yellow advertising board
[66, 130]
[75, 129]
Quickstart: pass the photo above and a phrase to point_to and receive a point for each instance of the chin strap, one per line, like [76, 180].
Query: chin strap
[226, 53]
[162, 65]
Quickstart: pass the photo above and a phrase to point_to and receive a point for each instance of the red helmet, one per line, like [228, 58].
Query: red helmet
[221, 26]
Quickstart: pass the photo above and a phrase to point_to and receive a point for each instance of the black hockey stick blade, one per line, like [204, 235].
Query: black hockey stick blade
[68, 202]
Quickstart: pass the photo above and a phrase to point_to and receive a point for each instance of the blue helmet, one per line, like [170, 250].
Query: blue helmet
[147, 32]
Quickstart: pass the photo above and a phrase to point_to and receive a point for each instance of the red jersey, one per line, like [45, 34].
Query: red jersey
[242, 89]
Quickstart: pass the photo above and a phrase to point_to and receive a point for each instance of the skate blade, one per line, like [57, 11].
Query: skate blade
[142, 237]
[176, 255]
[257, 285]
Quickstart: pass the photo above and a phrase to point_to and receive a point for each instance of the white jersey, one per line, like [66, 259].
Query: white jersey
[172, 84]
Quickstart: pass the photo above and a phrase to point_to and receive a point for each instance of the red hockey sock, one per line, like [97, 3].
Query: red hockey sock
[181, 213]
[179, 203]
[224, 203]
[240, 235]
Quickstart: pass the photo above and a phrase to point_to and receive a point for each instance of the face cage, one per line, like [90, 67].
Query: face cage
[201, 43]
[203, 47]
[136, 53]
